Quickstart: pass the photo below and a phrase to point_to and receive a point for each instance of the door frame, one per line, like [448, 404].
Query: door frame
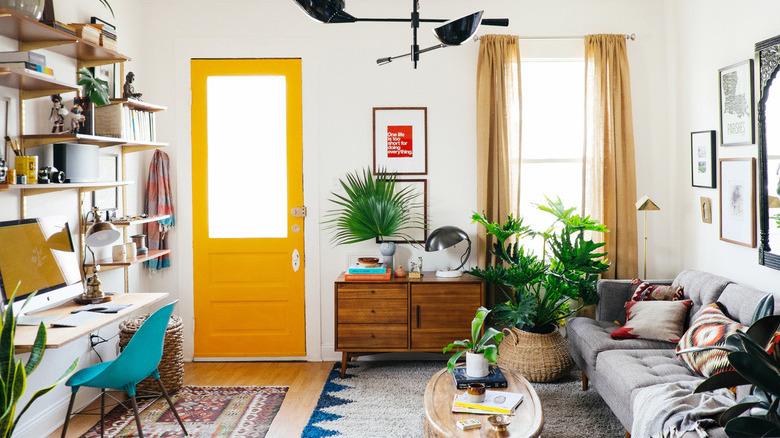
[184, 51]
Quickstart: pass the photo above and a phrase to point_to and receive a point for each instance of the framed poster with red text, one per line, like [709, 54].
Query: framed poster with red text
[401, 141]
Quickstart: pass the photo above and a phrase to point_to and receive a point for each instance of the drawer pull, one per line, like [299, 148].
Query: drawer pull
[373, 291]
[418, 316]
[373, 311]
[373, 335]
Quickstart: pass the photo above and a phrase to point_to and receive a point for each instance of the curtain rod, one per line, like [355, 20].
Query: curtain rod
[629, 36]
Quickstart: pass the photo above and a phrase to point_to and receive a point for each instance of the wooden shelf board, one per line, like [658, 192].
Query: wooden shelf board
[129, 145]
[89, 54]
[37, 189]
[139, 105]
[31, 33]
[153, 254]
[33, 84]
[128, 223]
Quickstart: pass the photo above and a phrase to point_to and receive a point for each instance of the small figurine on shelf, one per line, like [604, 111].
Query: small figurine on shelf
[129, 89]
[78, 118]
[57, 114]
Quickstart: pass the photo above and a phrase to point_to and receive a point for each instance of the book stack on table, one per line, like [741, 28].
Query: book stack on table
[494, 379]
[496, 402]
[368, 272]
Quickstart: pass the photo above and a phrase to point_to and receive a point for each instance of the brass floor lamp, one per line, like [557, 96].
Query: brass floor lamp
[646, 204]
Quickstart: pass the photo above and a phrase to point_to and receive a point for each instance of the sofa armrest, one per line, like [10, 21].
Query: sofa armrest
[613, 295]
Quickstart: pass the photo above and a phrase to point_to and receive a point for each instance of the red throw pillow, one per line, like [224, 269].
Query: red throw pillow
[654, 320]
[656, 292]
[711, 327]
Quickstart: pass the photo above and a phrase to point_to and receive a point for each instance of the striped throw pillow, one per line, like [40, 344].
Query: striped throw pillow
[710, 327]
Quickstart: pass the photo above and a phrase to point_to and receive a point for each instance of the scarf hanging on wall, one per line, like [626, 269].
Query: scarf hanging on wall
[159, 201]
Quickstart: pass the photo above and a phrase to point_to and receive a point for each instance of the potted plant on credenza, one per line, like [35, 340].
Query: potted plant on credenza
[536, 294]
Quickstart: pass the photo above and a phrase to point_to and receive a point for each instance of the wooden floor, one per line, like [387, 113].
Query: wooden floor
[305, 380]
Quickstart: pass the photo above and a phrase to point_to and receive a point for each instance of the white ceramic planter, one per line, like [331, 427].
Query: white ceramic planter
[476, 365]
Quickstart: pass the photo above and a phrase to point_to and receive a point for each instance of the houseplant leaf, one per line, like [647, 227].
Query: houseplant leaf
[454, 359]
[735, 411]
[478, 322]
[763, 330]
[752, 427]
[43, 391]
[764, 308]
[726, 379]
[39, 346]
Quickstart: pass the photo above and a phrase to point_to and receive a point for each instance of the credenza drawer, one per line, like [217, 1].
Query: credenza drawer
[373, 311]
[362, 291]
[372, 336]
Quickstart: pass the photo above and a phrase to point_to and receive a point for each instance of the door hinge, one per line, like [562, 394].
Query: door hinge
[299, 211]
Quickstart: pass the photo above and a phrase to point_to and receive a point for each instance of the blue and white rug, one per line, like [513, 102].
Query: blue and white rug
[385, 400]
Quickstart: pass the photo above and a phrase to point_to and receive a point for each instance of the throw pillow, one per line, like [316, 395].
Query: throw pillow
[654, 320]
[656, 292]
[710, 327]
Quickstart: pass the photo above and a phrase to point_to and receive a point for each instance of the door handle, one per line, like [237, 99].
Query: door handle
[296, 260]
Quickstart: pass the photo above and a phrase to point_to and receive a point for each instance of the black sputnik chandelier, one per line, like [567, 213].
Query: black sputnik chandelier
[450, 33]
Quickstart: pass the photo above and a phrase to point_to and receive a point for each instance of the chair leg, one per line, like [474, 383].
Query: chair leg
[585, 381]
[170, 403]
[70, 411]
[102, 409]
[137, 417]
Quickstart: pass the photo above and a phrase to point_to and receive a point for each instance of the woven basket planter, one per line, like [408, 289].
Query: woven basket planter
[537, 357]
[172, 364]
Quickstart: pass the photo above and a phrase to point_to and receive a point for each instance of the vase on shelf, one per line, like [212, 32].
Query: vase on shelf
[31, 8]
[388, 251]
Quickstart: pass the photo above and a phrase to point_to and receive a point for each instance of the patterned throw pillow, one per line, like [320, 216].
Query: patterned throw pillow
[709, 328]
[656, 292]
[654, 320]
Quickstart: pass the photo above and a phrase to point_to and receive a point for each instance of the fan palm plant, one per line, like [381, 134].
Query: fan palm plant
[373, 207]
[13, 372]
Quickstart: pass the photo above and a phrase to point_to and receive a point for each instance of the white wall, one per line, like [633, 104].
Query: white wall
[342, 84]
[713, 34]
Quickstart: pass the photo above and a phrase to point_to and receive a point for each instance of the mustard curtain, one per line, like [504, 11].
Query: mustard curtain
[498, 114]
[610, 173]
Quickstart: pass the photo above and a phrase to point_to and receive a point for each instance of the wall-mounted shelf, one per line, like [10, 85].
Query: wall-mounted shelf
[151, 255]
[37, 189]
[97, 140]
[130, 223]
[32, 84]
[139, 105]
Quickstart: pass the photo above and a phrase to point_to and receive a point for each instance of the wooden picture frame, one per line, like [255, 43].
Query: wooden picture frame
[397, 138]
[703, 156]
[738, 201]
[737, 103]
[421, 205]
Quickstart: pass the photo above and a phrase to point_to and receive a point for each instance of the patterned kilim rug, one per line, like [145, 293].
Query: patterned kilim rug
[207, 411]
[385, 400]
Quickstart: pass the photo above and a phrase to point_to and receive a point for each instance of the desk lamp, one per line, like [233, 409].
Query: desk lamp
[446, 237]
[99, 234]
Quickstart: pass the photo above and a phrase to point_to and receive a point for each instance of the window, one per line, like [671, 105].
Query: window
[550, 160]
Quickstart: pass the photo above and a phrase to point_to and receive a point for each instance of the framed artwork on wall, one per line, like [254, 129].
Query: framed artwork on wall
[738, 201]
[418, 210]
[401, 141]
[108, 167]
[110, 74]
[703, 152]
[737, 104]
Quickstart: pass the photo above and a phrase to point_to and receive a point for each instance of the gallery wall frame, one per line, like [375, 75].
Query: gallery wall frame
[737, 104]
[703, 159]
[738, 201]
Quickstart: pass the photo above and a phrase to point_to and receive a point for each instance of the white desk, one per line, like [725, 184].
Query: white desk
[59, 336]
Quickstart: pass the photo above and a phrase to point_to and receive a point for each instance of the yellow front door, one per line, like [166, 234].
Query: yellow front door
[247, 199]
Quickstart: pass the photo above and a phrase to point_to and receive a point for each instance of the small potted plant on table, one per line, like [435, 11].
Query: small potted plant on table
[480, 351]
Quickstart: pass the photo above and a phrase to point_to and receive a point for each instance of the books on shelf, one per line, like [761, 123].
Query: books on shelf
[123, 122]
[494, 379]
[23, 67]
[496, 402]
[31, 57]
[87, 32]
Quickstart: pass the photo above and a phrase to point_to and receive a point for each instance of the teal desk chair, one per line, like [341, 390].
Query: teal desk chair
[137, 361]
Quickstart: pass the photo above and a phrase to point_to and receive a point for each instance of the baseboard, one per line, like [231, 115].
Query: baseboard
[52, 418]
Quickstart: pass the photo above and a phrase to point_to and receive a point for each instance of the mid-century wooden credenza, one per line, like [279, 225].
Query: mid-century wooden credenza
[404, 314]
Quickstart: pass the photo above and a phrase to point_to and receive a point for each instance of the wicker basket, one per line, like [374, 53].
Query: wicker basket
[172, 364]
[538, 357]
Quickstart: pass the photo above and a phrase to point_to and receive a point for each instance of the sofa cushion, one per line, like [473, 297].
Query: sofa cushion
[709, 328]
[656, 292]
[622, 372]
[740, 302]
[587, 338]
[654, 320]
[701, 287]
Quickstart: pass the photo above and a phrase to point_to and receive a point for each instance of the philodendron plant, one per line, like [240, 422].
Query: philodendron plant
[756, 362]
[477, 344]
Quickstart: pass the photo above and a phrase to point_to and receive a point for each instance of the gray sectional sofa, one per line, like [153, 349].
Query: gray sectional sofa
[617, 369]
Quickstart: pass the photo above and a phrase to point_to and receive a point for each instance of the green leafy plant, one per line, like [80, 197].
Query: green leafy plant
[477, 344]
[540, 292]
[373, 207]
[96, 90]
[756, 362]
[13, 372]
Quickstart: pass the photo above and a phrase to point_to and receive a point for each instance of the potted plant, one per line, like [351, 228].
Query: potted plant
[95, 92]
[14, 373]
[755, 356]
[479, 350]
[373, 208]
[537, 293]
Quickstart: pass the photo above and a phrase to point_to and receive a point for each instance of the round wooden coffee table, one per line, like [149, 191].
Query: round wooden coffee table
[440, 421]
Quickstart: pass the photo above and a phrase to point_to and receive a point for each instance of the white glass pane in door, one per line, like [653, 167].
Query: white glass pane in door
[247, 156]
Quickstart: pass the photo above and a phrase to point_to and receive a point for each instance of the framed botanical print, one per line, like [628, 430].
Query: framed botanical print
[401, 141]
[738, 201]
[737, 104]
[703, 151]
[419, 210]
